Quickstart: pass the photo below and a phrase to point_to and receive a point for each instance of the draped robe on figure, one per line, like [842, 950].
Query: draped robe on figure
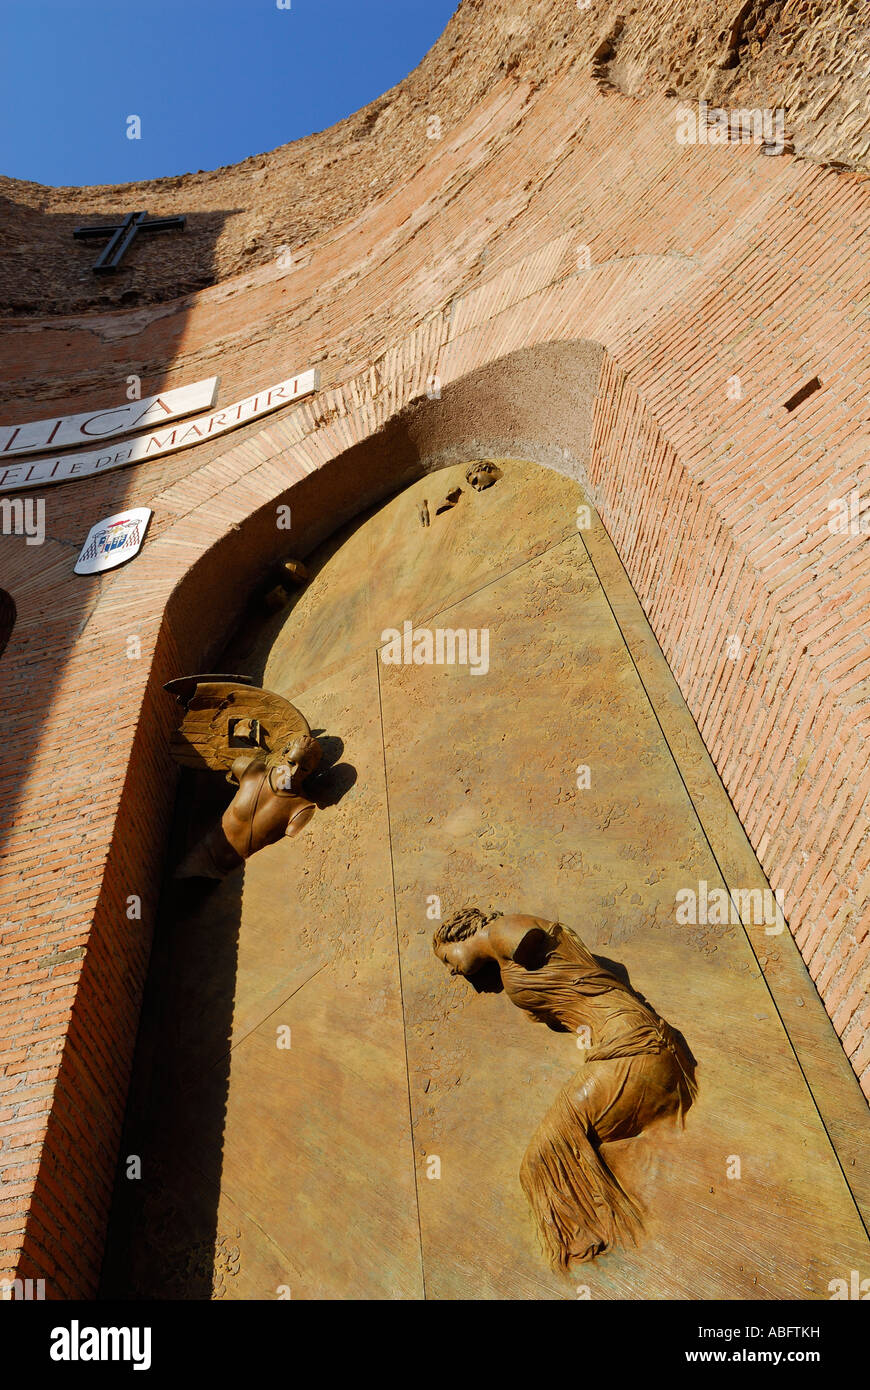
[637, 1070]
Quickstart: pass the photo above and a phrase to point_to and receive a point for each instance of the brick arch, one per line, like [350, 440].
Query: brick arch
[536, 402]
[572, 406]
[568, 404]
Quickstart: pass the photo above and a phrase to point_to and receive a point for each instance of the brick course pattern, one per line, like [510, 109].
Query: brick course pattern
[705, 264]
[808, 57]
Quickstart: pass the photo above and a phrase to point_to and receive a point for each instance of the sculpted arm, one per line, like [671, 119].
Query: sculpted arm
[299, 821]
[520, 938]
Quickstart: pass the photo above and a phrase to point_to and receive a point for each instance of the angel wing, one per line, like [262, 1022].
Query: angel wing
[225, 716]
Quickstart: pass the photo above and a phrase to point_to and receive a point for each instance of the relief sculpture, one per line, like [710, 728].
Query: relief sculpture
[266, 749]
[637, 1069]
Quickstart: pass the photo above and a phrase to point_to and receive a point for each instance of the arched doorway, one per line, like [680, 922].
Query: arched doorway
[300, 1161]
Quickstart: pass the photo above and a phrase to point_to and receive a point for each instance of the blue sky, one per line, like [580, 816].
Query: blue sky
[212, 81]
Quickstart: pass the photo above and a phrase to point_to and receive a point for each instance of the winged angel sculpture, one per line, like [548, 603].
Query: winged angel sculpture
[264, 746]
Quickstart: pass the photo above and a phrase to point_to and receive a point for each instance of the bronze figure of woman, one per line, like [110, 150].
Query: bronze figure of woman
[638, 1069]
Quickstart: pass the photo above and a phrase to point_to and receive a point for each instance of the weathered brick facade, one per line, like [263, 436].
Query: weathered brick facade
[461, 264]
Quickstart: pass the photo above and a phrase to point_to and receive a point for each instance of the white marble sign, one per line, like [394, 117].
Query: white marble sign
[46, 472]
[113, 541]
[67, 431]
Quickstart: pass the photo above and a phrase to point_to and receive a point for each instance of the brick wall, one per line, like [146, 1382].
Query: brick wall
[808, 57]
[783, 720]
[703, 264]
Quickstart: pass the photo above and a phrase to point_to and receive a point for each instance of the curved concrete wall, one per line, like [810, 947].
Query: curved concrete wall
[705, 265]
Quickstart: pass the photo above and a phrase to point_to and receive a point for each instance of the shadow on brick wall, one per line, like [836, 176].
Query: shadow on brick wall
[85, 964]
[163, 1232]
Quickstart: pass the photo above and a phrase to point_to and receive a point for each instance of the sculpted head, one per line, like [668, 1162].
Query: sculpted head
[482, 475]
[456, 942]
[294, 762]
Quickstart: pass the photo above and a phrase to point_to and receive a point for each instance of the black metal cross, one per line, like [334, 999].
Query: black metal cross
[122, 235]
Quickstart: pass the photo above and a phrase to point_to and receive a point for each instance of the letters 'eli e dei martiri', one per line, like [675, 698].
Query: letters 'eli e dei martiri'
[45, 472]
